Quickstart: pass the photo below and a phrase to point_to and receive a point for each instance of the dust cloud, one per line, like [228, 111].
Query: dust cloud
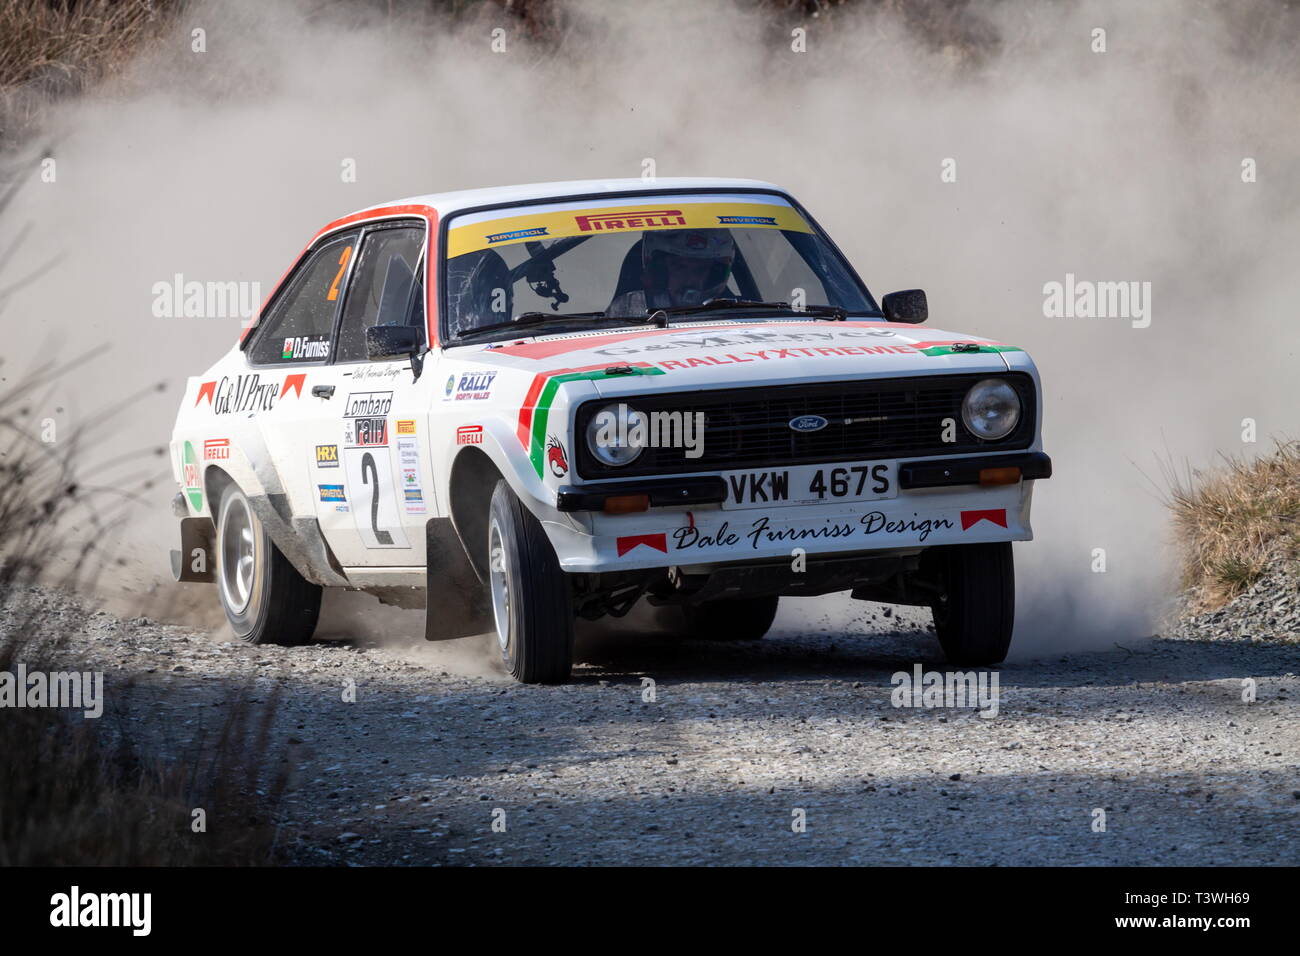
[1116, 166]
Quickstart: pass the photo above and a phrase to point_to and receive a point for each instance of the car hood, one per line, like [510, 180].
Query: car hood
[721, 354]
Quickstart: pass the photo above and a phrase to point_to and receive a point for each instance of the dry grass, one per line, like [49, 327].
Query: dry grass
[85, 793]
[94, 791]
[55, 48]
[74, 39]
[1234, 523]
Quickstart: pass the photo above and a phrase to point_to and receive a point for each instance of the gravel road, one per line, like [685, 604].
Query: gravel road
[737, 740]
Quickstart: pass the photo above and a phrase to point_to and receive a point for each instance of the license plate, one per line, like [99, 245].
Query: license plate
[811, 484]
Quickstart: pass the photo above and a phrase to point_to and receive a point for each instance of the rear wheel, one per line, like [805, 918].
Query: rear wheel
[265, 599]
[731, 619]
[975, 614]
[531, 604]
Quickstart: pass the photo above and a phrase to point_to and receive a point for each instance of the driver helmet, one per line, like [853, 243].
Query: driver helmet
[686, 266]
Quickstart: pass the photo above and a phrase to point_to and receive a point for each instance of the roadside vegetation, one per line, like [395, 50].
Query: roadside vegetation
[87, 791]
[52, 50]
[1236, 523]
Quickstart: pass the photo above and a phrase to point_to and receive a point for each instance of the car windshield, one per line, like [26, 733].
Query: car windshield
[584, 263]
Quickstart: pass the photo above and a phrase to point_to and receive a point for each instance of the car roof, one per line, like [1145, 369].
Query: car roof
[450, 202]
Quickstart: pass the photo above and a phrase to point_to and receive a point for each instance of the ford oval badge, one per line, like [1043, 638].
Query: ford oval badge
[808, 423]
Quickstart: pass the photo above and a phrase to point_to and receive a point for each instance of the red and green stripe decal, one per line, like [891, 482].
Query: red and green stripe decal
[537, 403]
[945, 348]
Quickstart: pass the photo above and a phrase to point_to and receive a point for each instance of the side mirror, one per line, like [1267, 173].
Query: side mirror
[389, 341]
[906, 306]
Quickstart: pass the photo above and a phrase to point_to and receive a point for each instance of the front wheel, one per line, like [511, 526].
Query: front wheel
[531, 603]
[265, 599]
[975, 613]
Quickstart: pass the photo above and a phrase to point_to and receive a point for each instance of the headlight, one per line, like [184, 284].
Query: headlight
[991, 409]
[616, 434]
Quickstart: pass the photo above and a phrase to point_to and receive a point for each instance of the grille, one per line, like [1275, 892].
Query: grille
[750, 427]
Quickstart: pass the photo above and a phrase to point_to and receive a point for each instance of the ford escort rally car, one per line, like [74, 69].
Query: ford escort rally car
[516, 407]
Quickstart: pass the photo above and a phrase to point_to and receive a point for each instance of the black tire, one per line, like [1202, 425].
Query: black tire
[534, 626]
[976, 613]
[731, 619]
[274, 604]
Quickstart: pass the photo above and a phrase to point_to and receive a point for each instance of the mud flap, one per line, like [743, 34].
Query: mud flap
[194, 561]
[456, 601]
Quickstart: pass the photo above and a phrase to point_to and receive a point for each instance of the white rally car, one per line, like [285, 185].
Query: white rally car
[519, 406]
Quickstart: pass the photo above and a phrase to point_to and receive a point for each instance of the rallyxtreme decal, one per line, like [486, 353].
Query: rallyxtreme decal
[740, 339]
[854, 338]
[536, 410]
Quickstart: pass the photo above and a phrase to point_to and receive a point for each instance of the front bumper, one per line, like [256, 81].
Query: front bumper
[703, 535]
[711, 489]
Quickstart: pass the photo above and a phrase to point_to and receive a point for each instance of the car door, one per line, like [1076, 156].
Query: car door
[370, 472]
[291, 350]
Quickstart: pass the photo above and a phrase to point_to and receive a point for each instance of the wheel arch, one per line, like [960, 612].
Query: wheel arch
[298, 539]
[474, 476]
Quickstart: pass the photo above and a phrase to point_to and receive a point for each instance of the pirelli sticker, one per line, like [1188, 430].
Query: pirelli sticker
[666, 213]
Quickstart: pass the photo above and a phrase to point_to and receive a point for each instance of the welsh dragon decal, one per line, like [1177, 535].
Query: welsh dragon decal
[555, 457]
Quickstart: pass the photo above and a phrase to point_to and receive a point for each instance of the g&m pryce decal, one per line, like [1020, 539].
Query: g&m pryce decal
[536, 409]
[247, 393]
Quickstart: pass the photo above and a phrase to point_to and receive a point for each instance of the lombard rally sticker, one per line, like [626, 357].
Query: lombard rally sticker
[365, 419]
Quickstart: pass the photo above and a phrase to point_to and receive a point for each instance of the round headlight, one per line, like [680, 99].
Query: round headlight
[616, 434]
[991, 409]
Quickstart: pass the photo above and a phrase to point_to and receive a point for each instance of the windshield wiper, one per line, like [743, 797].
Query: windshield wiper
[526, 320]
[832, 312]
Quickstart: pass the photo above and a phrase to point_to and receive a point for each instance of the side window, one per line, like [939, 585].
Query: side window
[300, 325]
[387, 288]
